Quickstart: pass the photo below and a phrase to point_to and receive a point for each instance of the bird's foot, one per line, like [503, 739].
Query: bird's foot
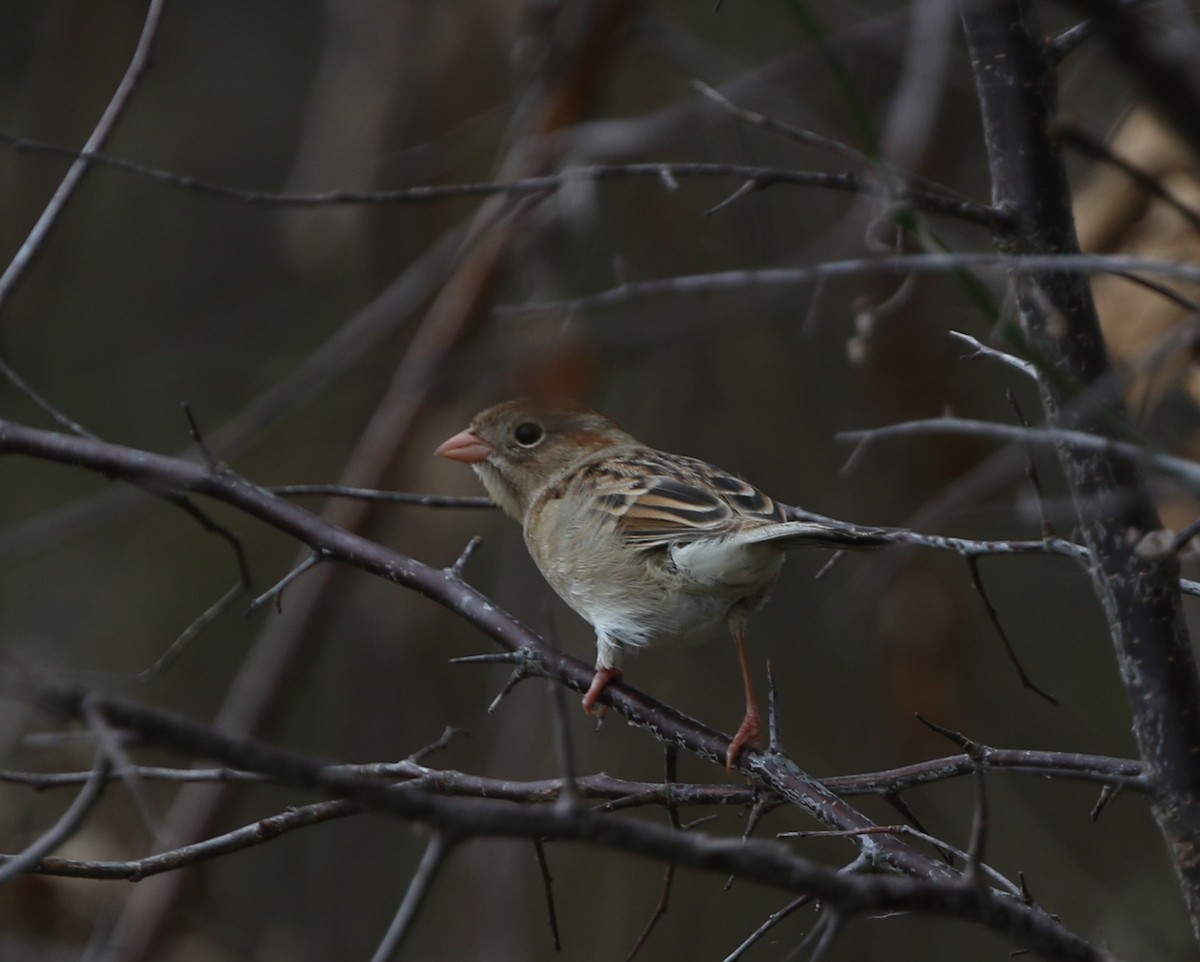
[747, 733]
[600, 681]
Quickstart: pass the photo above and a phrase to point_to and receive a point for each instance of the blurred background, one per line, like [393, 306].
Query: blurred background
[326, 343]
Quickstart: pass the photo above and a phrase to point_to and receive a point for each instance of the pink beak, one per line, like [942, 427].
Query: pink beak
[467, 447]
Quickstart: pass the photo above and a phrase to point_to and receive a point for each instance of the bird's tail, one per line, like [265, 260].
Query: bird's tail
[817, 534]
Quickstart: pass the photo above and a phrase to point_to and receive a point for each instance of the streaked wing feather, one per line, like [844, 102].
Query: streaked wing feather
[672, 499]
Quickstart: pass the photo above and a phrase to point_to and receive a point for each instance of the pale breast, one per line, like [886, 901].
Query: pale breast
[642, 594]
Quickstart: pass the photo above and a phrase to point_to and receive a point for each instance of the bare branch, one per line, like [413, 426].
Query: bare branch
[32, 245]
[939, 891]
[257, 833]
[994, 617]
[775, 772]
[163, 662]
[275, 592]
[383, 497]
[1179, 468]
[741, 280]
[936, 200]
[1102, 769]
[66, 826]
[548, 888]
[418, 889]
[982, 350]
[769, 923]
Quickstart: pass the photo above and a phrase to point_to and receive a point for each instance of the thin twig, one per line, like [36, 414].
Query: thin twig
[670, 770]
[36, 240]
[385, 497]
[940, 844]
[418, 889]
[938, 200]
[1079, 137]
[163, 662]
[994, 617]
[1180, 468]
[935, 263]
[548, 889]
[275, 592]
[66, 826]
[979, 830]
[460, 562]
[1097, 769]
[197, 436]
[982, 350]
[257, 833]
[769, 923]
[1031, 472]
[564, 748]
[110, 741]
[813, 139]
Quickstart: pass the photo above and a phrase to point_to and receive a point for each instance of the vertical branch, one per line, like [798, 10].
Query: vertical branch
[1138, 589]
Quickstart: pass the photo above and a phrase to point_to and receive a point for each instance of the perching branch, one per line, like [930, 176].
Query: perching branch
[944, 893]
[773, 772]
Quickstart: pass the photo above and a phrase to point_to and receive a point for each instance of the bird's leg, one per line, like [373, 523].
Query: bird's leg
[600, 681]
[751, 726]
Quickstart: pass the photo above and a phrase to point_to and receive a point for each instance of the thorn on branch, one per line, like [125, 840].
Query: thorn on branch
[773, 744]
[524, 659]
[490, 658]
[449, 733]
[460, 563]
[962, 741]
[1107, 794]
[747, 188]
[210, 460]
[1026, 894]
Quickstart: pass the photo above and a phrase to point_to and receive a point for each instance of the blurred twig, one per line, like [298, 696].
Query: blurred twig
[29, 249]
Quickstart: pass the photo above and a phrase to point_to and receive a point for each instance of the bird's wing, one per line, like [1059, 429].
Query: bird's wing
[658, 500]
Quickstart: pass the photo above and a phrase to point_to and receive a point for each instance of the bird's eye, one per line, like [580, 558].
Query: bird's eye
[528, 433]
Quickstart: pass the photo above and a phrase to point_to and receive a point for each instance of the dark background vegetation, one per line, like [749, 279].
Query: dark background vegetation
[149, 295]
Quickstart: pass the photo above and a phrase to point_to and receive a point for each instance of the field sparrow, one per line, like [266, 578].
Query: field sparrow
[649, 547]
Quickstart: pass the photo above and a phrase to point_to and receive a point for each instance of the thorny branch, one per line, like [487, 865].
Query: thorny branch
[944, 892]
[773, 772]
[1136, 583]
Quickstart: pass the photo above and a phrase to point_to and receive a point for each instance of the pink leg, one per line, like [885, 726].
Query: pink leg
[751, 726]
[600, 681]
